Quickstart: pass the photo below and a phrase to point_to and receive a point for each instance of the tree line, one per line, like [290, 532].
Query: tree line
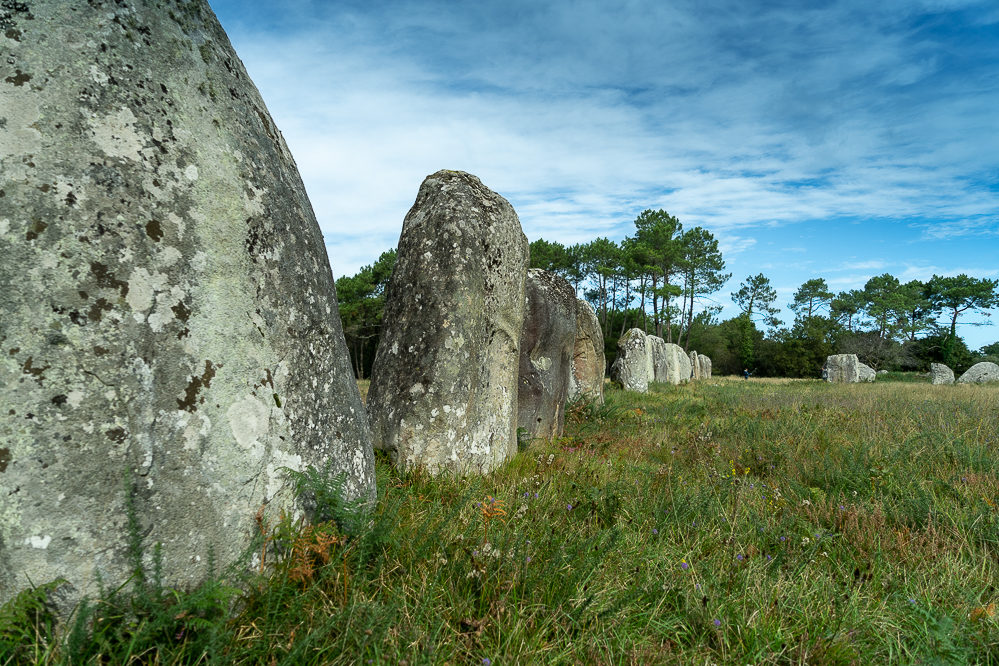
[664, 279]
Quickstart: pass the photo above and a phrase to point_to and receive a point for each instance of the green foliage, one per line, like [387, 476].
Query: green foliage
[361, 301]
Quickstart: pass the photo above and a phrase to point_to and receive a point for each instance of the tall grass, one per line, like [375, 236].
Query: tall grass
[725, 521]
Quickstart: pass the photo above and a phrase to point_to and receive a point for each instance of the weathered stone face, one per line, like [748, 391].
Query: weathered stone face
[941, 374]
[980, 373]
[546, 352]
[588, 360]
[444, 383]
[704, 363]
[865, 373]
[695, 367]
[631, 368]
[169, 335]
[842, 368]
[670, 364]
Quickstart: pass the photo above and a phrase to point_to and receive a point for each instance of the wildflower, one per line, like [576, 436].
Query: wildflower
[739, 557]
[769, 558]
[783, 538]
[527, 560]
[568, 507]
[805, 503]
[684, 565]
[486, 661]
[842, 508]
[717, 622]
[805, 541]
[912, 601]
[655, 531]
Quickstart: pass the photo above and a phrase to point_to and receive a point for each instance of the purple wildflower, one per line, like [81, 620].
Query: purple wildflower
[717, 622]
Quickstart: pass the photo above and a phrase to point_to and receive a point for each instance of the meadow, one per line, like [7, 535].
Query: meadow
[726, 521]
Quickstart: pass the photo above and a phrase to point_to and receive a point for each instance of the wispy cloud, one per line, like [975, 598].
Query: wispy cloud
[744, 118]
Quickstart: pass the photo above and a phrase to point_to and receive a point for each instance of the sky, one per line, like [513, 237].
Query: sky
[839, 140]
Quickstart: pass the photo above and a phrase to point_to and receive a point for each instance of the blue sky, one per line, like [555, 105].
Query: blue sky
[815, 139]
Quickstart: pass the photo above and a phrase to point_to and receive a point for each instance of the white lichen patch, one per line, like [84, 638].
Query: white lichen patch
[191, 172]
[142, 287]
[115, 134]
[19, 111]
[40, 542]
[249, 420]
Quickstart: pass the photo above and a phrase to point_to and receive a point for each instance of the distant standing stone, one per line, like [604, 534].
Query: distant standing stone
[546, 352]
[695, 368]
[705, 366]
[169, 340]
[941, 374]
[980, 373]
[843, 368]
[444, 383]
[631, 368]
[588, 361]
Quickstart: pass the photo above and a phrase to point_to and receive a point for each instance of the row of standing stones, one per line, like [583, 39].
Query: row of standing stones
[847, 369]
[170, 343]
[476, 350]
[643, 359]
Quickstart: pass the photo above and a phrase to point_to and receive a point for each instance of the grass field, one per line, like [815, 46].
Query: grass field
[727, 521]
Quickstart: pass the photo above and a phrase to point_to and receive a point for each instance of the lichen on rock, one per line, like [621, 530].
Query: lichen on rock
[443, 390]
[170, 335]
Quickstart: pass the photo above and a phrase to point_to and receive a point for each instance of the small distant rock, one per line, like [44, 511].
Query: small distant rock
[980, 373]
[588, 361]
[941, 374]
[546, 351]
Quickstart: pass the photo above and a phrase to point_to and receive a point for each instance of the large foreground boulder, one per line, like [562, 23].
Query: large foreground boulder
[444, 382]
[865, 373]
[169, 332]
[588, 361]
[941, 374]
[843, 368]
[631, 367]
[980, 373]
[546, 351]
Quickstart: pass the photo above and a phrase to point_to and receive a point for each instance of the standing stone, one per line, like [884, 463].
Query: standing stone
[169, 338]
[941, 374]
[843, 368]
[670, 363]
[588, 361]
[444, 382]
[980, 373]
[546, 351]
[657, 354]
[865, 373]
[705, 366]
[631, 368]
[695, 368]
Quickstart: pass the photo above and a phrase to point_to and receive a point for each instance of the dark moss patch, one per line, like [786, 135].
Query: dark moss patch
[181, 311]
[60, 400]
[191, 400]
[154, 230]
[36, 228]
[19, 78]
[29, 369]
[116, 434]
[4, 459]
[97, 310]
[105, 278]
